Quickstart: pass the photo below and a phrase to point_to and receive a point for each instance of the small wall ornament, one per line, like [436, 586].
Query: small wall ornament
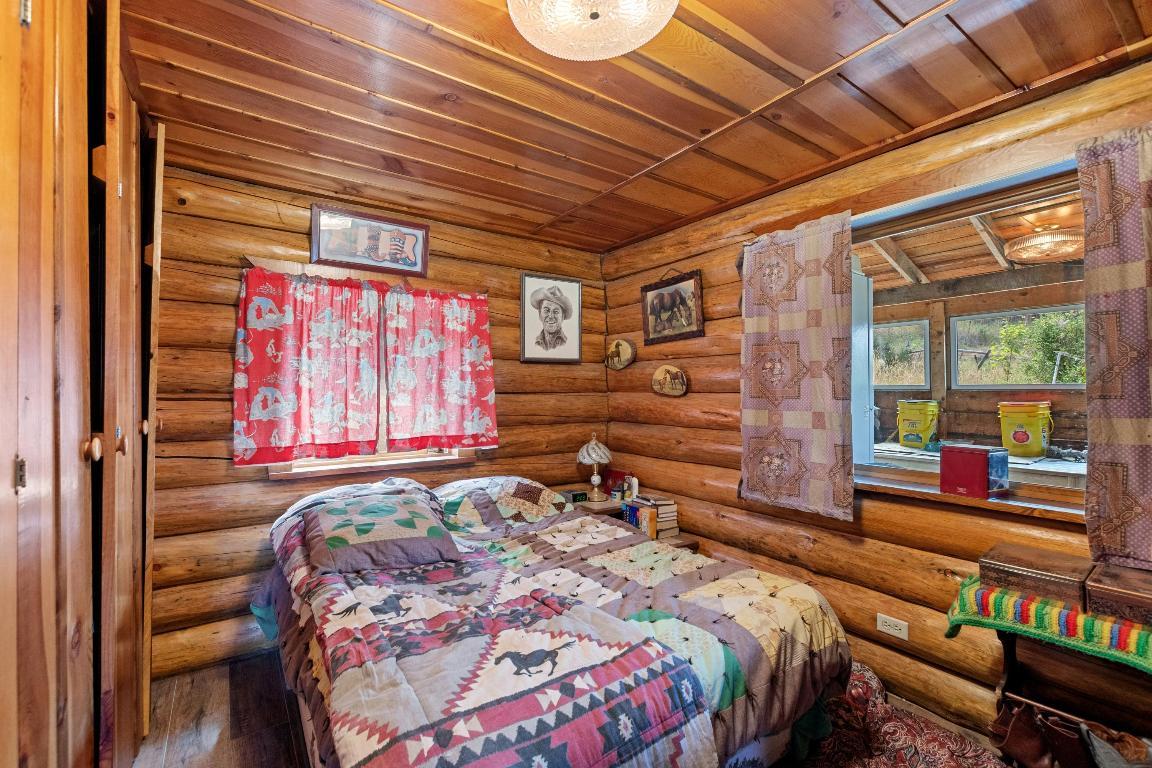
[621, 354]
[670, 381]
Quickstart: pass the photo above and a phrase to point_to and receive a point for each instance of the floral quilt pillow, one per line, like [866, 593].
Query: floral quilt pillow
[488, 502]
[381, 525]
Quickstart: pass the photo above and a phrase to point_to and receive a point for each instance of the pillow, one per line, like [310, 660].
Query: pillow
[486, 502]
[395, 523]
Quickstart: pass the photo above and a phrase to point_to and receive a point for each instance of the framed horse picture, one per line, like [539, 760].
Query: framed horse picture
[673, 308]
[359, 240]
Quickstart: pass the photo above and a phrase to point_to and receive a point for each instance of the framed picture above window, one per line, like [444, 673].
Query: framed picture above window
[1021, 349]
[900, 357]
[359, 240]
[549, 319]
[673, 308]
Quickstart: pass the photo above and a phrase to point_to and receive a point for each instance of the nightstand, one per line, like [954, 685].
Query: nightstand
[599, 507]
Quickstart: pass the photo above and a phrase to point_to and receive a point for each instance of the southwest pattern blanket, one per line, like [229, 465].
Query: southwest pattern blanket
[764, 647]
[571, 641]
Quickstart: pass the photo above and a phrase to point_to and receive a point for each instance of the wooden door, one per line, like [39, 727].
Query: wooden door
[46, 707]
[121, 604]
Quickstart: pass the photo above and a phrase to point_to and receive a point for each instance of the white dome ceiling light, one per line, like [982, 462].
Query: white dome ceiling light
[590, 30]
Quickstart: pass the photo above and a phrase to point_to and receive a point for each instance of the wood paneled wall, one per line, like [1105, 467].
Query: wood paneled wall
[212, 518]
[46, 666]
[900, 557]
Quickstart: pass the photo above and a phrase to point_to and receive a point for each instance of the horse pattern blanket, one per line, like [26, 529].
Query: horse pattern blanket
[570, 641]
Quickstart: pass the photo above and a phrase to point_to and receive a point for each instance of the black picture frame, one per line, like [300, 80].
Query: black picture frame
[688, 288]
[534, 341]
[322, 251]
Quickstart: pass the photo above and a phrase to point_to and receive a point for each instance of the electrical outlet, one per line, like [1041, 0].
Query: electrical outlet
[891, 626]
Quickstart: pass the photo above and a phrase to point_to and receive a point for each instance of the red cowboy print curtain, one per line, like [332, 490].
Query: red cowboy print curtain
[307, 368]
[1116, 184]
[796, 425]
[441, 386]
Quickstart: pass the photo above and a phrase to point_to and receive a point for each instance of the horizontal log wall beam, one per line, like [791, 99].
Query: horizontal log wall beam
[954, 698]
[183, 420]
[208, 507]
[960, 532]
[206, 645]
[209, 197]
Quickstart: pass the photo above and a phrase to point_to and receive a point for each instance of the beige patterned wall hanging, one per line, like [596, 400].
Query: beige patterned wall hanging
[796, 425]
[1116, 183]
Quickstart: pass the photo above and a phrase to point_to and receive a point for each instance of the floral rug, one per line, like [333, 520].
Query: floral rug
[868, 732]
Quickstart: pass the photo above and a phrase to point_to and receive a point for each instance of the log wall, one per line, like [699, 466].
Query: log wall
[212, 518]
[899, 556]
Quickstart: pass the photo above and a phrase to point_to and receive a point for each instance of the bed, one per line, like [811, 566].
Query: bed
[553, 638]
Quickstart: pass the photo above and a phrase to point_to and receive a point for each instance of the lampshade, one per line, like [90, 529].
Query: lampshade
[1053, 245]
[590, 30]
[594, 452]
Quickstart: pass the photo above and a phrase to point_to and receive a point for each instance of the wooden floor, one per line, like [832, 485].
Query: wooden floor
[236, 715]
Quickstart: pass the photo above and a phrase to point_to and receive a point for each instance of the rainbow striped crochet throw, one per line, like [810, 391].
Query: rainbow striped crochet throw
[1052, 621]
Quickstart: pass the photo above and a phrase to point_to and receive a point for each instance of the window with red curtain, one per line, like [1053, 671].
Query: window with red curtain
[441, 386]
[307, 368]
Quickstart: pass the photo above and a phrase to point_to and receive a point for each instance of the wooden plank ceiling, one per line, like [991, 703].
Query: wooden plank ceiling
[968, 246]
[441, 108]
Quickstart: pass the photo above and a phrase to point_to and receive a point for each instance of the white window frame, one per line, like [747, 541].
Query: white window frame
[954, 350]
[927, 385]
[863, 402]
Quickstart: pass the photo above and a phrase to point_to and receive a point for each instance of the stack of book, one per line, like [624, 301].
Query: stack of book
[655, 515]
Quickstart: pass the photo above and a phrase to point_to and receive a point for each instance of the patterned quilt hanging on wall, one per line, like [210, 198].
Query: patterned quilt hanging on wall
[441, 386]
[1116, 184]
[307, 368]
[796, 425]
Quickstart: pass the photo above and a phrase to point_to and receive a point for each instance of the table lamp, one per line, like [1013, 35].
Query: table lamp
[595, 453]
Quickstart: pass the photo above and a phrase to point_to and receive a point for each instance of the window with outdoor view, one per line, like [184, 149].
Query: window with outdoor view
[900, 355]
[1034, 349]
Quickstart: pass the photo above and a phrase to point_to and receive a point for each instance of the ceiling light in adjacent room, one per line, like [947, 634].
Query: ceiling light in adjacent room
[1051, 245]
[590, 30]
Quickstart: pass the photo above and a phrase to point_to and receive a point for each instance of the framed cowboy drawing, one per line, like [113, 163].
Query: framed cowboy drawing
[359, 240]
[549, 319]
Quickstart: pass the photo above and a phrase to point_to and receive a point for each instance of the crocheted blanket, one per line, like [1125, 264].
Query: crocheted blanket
[1052, 621]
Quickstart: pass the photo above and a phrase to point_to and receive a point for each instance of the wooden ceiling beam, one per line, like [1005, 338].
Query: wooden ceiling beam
[984, 227]
[931, 14]
[899, 260]
[1025, 277]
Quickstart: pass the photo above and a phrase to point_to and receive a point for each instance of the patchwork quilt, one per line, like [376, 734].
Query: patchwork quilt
[765, 648]
[570, 640]
[468, 663]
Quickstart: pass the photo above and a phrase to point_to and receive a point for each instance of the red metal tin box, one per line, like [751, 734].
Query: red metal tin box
[974, 470]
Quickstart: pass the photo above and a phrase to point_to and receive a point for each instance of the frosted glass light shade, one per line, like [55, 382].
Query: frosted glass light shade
[1054, 245]
[590, 30]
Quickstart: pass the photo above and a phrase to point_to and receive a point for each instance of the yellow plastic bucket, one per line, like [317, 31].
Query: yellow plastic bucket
[916, 422]
[1026, 428]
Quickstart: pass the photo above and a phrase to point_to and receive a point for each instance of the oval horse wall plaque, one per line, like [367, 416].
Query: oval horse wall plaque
[670, 381]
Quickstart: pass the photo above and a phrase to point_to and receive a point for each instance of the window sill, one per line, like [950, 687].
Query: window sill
[361, 465]
[1060, 504]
